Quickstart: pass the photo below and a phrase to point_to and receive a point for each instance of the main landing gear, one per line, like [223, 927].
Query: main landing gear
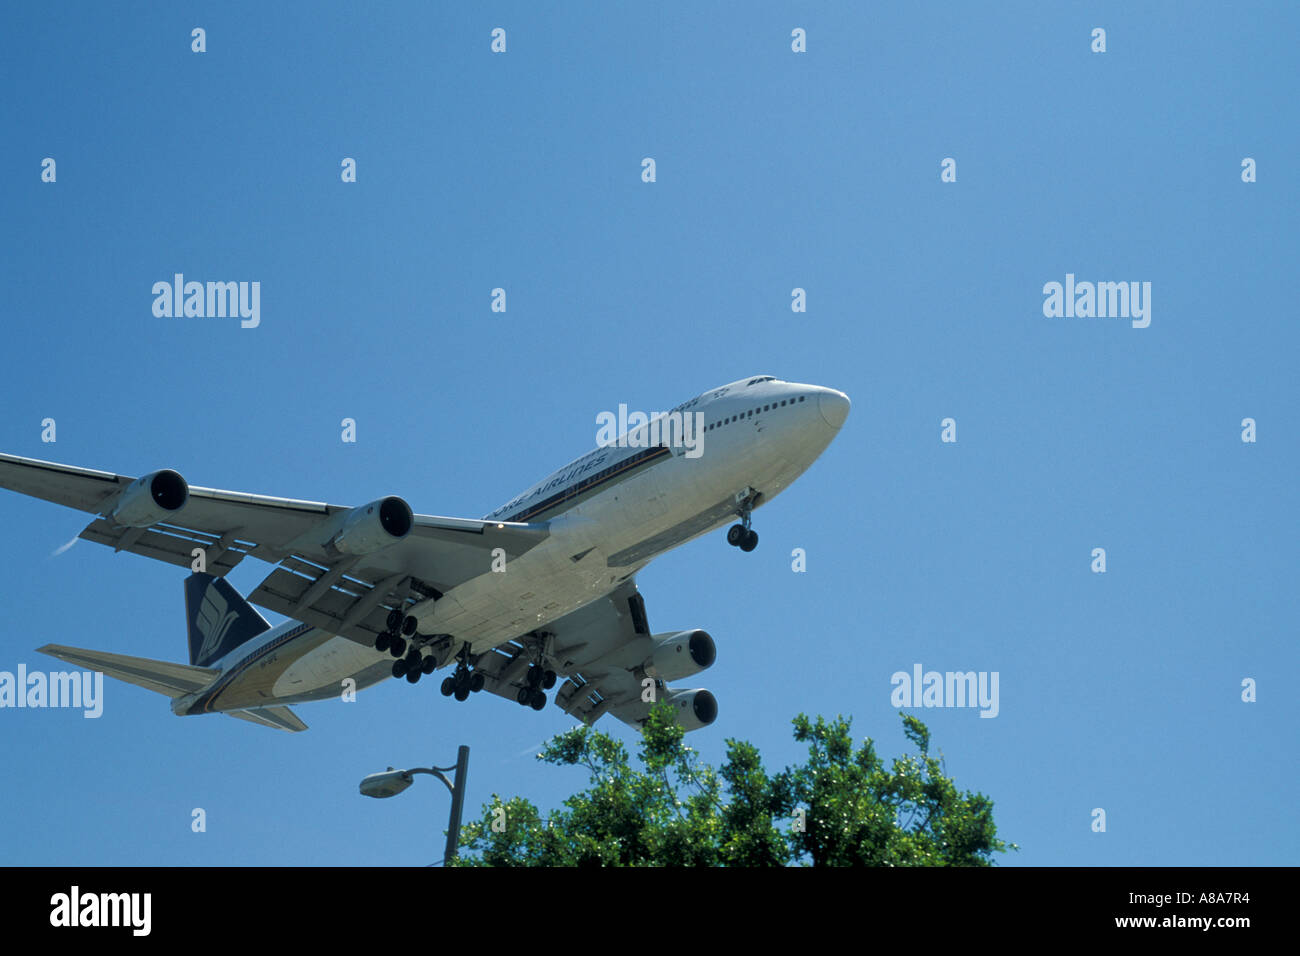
[411, 662]
[741, 535]
[538, 680]
[392, 640]
[465, 681]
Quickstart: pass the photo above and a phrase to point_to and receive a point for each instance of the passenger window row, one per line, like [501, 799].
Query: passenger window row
[750, 414]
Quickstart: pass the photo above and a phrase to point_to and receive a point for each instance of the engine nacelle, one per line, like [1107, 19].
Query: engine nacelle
[376, 525]
[695, 708]
[677, 656]
[150, 499]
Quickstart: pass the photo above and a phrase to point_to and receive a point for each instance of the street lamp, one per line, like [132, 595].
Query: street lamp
[393, 782]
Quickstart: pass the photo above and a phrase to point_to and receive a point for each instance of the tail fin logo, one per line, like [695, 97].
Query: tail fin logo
[213, 621]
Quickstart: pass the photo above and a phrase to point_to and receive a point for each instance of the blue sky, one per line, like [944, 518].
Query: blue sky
[775, 170]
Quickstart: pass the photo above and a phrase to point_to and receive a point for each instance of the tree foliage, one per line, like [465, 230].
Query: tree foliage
[840, 807]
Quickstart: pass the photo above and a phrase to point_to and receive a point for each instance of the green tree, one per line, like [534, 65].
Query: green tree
[840, 807]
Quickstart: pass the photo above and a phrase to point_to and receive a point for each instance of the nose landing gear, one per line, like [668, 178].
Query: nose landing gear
[741, 535]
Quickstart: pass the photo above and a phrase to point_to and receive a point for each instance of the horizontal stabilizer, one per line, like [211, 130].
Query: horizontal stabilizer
[281, 718]
[162, 677]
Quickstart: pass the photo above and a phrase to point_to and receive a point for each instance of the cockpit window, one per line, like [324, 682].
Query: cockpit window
[761, 378]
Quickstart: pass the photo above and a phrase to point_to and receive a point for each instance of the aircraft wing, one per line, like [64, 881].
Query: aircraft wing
[598, 651]
[344, 594]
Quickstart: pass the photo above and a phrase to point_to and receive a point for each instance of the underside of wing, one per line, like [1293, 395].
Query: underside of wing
[351, 595]
[607, 658]
[341, 569]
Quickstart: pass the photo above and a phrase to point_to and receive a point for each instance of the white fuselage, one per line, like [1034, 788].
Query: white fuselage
[609, 514]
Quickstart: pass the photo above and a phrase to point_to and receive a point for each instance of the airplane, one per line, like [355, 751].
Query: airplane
[540, 590]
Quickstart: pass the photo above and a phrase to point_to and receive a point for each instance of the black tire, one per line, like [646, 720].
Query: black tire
[448, 686]
[398, 647]
[538, 701]
[736, 535]
[534, 676]
[462, 692]
[524, 696]
[394, 620]
[413, 676]
[429, 664]
[399, 667]
[476, 683]
[548, 680]
[382, 642]
[750, 542]
[409, 625]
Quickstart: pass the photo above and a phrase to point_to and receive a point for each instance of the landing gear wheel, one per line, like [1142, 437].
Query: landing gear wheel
[399, 667]
[534, 676]
[428, 665]
[538, 701]
[741, 535]
[476, 683]
[413, 676]
[448, 686]
[398, 647]
[410, 625]
[524, 696]
[548, 680]
[462, 691]
[382, 642]
[394, 621]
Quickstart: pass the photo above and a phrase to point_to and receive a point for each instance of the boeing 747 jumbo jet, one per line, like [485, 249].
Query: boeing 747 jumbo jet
[541, 590]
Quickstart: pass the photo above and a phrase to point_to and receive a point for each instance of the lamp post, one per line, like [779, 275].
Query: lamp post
[393, 782]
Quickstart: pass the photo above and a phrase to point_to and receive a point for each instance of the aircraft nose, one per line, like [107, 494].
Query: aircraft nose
[834, 407]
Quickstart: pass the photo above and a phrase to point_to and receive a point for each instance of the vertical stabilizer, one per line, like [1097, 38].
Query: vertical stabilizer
[219, 618]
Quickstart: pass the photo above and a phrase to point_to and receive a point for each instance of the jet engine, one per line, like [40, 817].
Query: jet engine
[368, 528]
[681, 654]
[150, 499]
[695, 708]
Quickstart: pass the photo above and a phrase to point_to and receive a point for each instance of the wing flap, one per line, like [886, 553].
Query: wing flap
[165, 543]
[339, 610]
